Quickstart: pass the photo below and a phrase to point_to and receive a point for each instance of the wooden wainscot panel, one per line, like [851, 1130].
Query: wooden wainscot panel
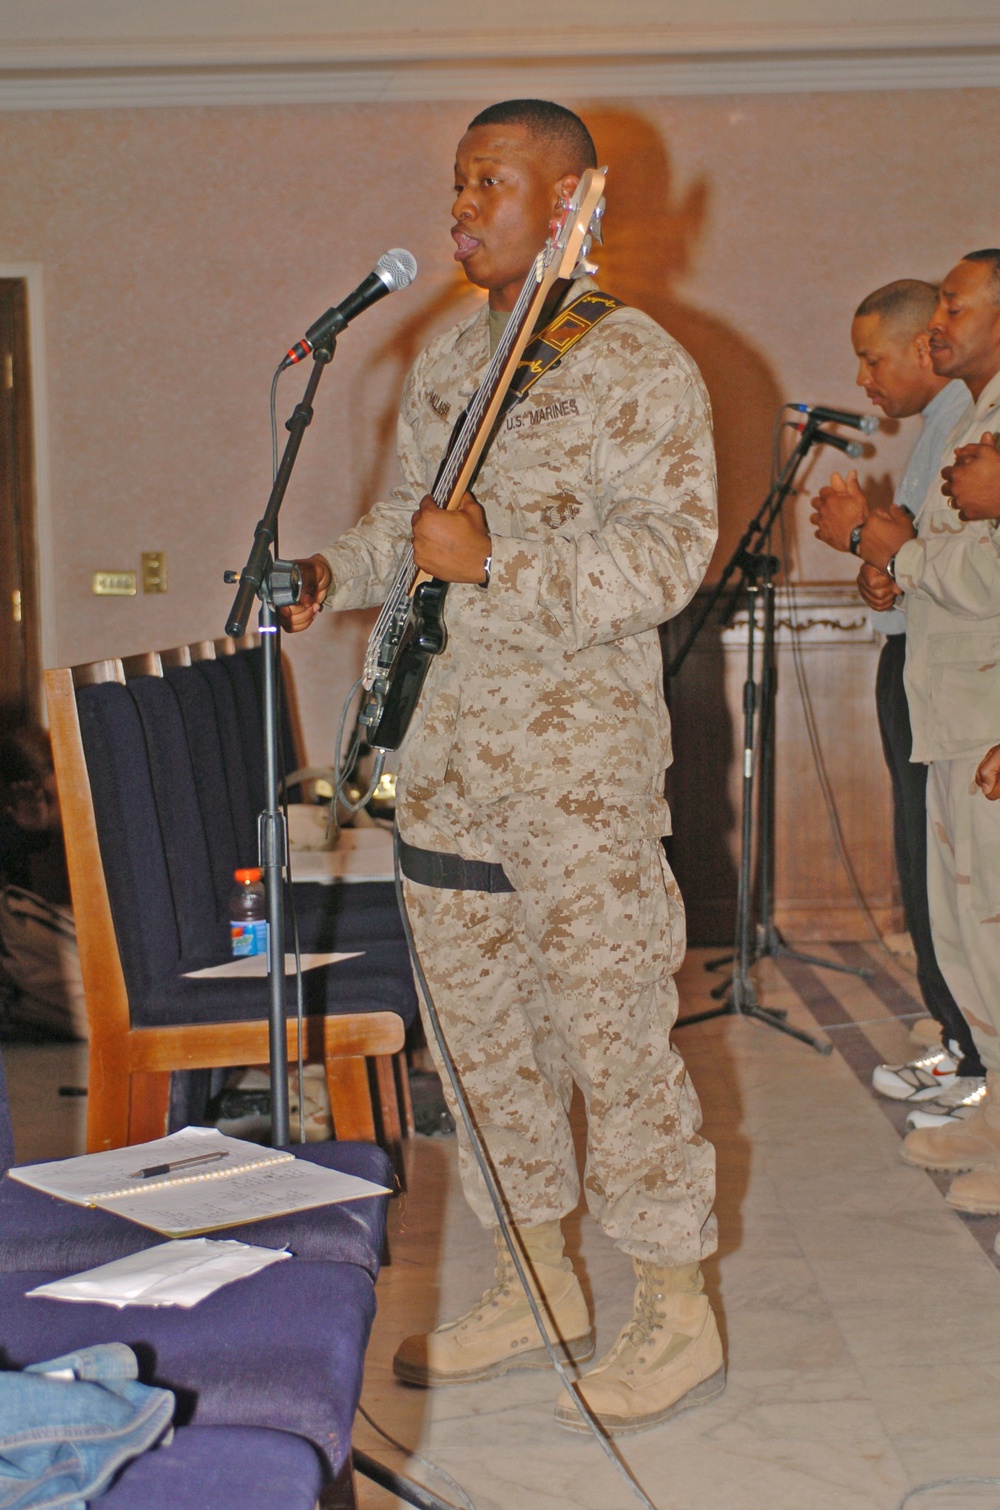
[824, 638]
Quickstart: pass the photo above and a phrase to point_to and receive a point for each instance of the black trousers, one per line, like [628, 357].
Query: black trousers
[909, 825]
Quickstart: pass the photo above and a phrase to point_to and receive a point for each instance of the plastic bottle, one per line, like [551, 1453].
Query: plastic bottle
[248, 913]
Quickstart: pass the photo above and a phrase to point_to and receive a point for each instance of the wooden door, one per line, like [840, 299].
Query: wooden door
[20, 659]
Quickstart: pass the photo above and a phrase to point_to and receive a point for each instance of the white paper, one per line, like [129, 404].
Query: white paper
[254, 966]
[93, 1176]
[259, 1193]
[362, 854]
[171, 1274]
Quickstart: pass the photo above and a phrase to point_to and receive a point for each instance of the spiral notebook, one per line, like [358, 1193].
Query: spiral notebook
[233, 1182]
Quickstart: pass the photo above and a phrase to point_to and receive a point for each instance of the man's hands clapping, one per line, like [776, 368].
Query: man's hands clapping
[877, 588]
[972, 482]
[838, 509]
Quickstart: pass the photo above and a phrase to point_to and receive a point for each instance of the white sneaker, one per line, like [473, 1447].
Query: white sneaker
[922, 1079]
[953, 1105]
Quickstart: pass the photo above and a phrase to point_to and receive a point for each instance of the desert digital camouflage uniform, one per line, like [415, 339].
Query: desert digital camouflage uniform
[540, 743]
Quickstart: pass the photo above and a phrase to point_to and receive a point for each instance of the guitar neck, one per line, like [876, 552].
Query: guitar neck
[485, 406]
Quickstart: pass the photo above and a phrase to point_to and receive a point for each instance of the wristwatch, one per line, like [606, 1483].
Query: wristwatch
[890, 567]
[488, 569]
[855, 545]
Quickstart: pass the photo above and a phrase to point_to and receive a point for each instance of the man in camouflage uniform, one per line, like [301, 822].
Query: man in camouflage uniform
[538, 749]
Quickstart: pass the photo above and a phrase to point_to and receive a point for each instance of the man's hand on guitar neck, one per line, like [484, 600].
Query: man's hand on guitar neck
[451, 545]
[316, 579]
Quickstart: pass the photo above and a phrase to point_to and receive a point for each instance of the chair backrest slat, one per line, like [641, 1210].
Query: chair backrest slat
[201, 914]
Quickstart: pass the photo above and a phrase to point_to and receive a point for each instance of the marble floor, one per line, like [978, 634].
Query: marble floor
[861, 1315]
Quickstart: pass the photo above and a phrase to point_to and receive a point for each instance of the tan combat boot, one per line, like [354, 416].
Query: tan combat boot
[499, 1333]
[667, 1358]
[960, 1145]
[978, 1191]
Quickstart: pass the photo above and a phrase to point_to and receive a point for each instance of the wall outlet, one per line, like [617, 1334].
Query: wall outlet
[154, 571]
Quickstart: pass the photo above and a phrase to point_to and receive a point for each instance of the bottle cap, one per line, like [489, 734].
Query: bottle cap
[247, 877]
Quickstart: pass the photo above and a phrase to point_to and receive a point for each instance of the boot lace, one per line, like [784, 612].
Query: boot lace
[644, 1324]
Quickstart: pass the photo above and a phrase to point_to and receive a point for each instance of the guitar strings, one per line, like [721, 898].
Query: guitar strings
[481, 399]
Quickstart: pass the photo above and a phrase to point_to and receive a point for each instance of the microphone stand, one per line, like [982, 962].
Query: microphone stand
[277, 584]
[757, 569]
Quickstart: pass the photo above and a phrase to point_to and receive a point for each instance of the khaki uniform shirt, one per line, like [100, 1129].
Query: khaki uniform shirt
[599, 491]
[951, 577]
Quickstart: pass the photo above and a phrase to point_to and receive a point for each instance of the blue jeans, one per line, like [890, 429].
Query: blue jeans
[63, 1438]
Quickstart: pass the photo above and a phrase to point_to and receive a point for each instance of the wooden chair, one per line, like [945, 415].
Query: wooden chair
[130, 1066]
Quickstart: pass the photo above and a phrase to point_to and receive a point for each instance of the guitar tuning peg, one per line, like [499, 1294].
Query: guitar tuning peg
[596, 228]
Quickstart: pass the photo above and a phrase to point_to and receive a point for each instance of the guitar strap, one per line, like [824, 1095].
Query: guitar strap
[540, 356]
[559, 336]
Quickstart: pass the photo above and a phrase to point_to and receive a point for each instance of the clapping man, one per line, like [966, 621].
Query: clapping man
[891, 341]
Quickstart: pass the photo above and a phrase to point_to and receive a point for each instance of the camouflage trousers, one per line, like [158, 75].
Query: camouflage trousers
[567, 978]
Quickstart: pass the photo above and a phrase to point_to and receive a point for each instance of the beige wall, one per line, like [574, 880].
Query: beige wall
[183, 249]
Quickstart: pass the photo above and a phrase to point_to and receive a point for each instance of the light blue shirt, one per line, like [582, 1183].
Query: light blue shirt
[938, 420]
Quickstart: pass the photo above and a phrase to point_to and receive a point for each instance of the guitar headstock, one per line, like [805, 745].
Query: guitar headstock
[577, 227]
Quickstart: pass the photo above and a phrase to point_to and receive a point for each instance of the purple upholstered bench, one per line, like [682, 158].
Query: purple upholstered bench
[283, 1349]
[221, 1468]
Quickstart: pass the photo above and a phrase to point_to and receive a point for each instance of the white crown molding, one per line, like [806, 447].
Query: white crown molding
[619, 77]
[404, 46]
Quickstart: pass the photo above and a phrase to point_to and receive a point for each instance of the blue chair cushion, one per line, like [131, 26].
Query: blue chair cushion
[283, 1349]
[221, 1468]
[39, 1231]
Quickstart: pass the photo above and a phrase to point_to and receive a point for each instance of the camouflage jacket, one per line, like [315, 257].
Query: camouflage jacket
[599, 491]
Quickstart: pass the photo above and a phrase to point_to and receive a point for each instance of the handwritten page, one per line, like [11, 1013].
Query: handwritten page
[257, 1183]
[255, 1195]
[97, 1176]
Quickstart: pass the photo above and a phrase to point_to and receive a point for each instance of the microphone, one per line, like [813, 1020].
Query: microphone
[866, 423]
[393, 270]
[827, 438]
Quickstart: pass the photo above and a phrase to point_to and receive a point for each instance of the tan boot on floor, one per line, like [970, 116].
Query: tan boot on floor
[977, 1192]
[667, 1358]
[499, 1333]
[926, 1033]
[960, 1145]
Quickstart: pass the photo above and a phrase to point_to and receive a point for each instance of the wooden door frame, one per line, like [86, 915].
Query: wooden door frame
[32, 275]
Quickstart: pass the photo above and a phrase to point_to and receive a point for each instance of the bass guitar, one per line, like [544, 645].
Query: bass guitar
[410, 629]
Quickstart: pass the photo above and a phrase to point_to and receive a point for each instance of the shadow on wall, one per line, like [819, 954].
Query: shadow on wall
[653, 230]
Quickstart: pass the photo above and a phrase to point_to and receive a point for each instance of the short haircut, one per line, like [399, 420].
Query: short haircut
[905, 305]
[554, 124]
[991, 255]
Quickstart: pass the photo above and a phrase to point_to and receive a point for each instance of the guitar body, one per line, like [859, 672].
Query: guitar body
[407, 656]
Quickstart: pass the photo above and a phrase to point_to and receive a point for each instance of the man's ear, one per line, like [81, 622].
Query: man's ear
[564, 189]
[922, 347]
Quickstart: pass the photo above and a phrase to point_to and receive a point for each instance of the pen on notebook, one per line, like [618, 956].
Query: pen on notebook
[201, 1158]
